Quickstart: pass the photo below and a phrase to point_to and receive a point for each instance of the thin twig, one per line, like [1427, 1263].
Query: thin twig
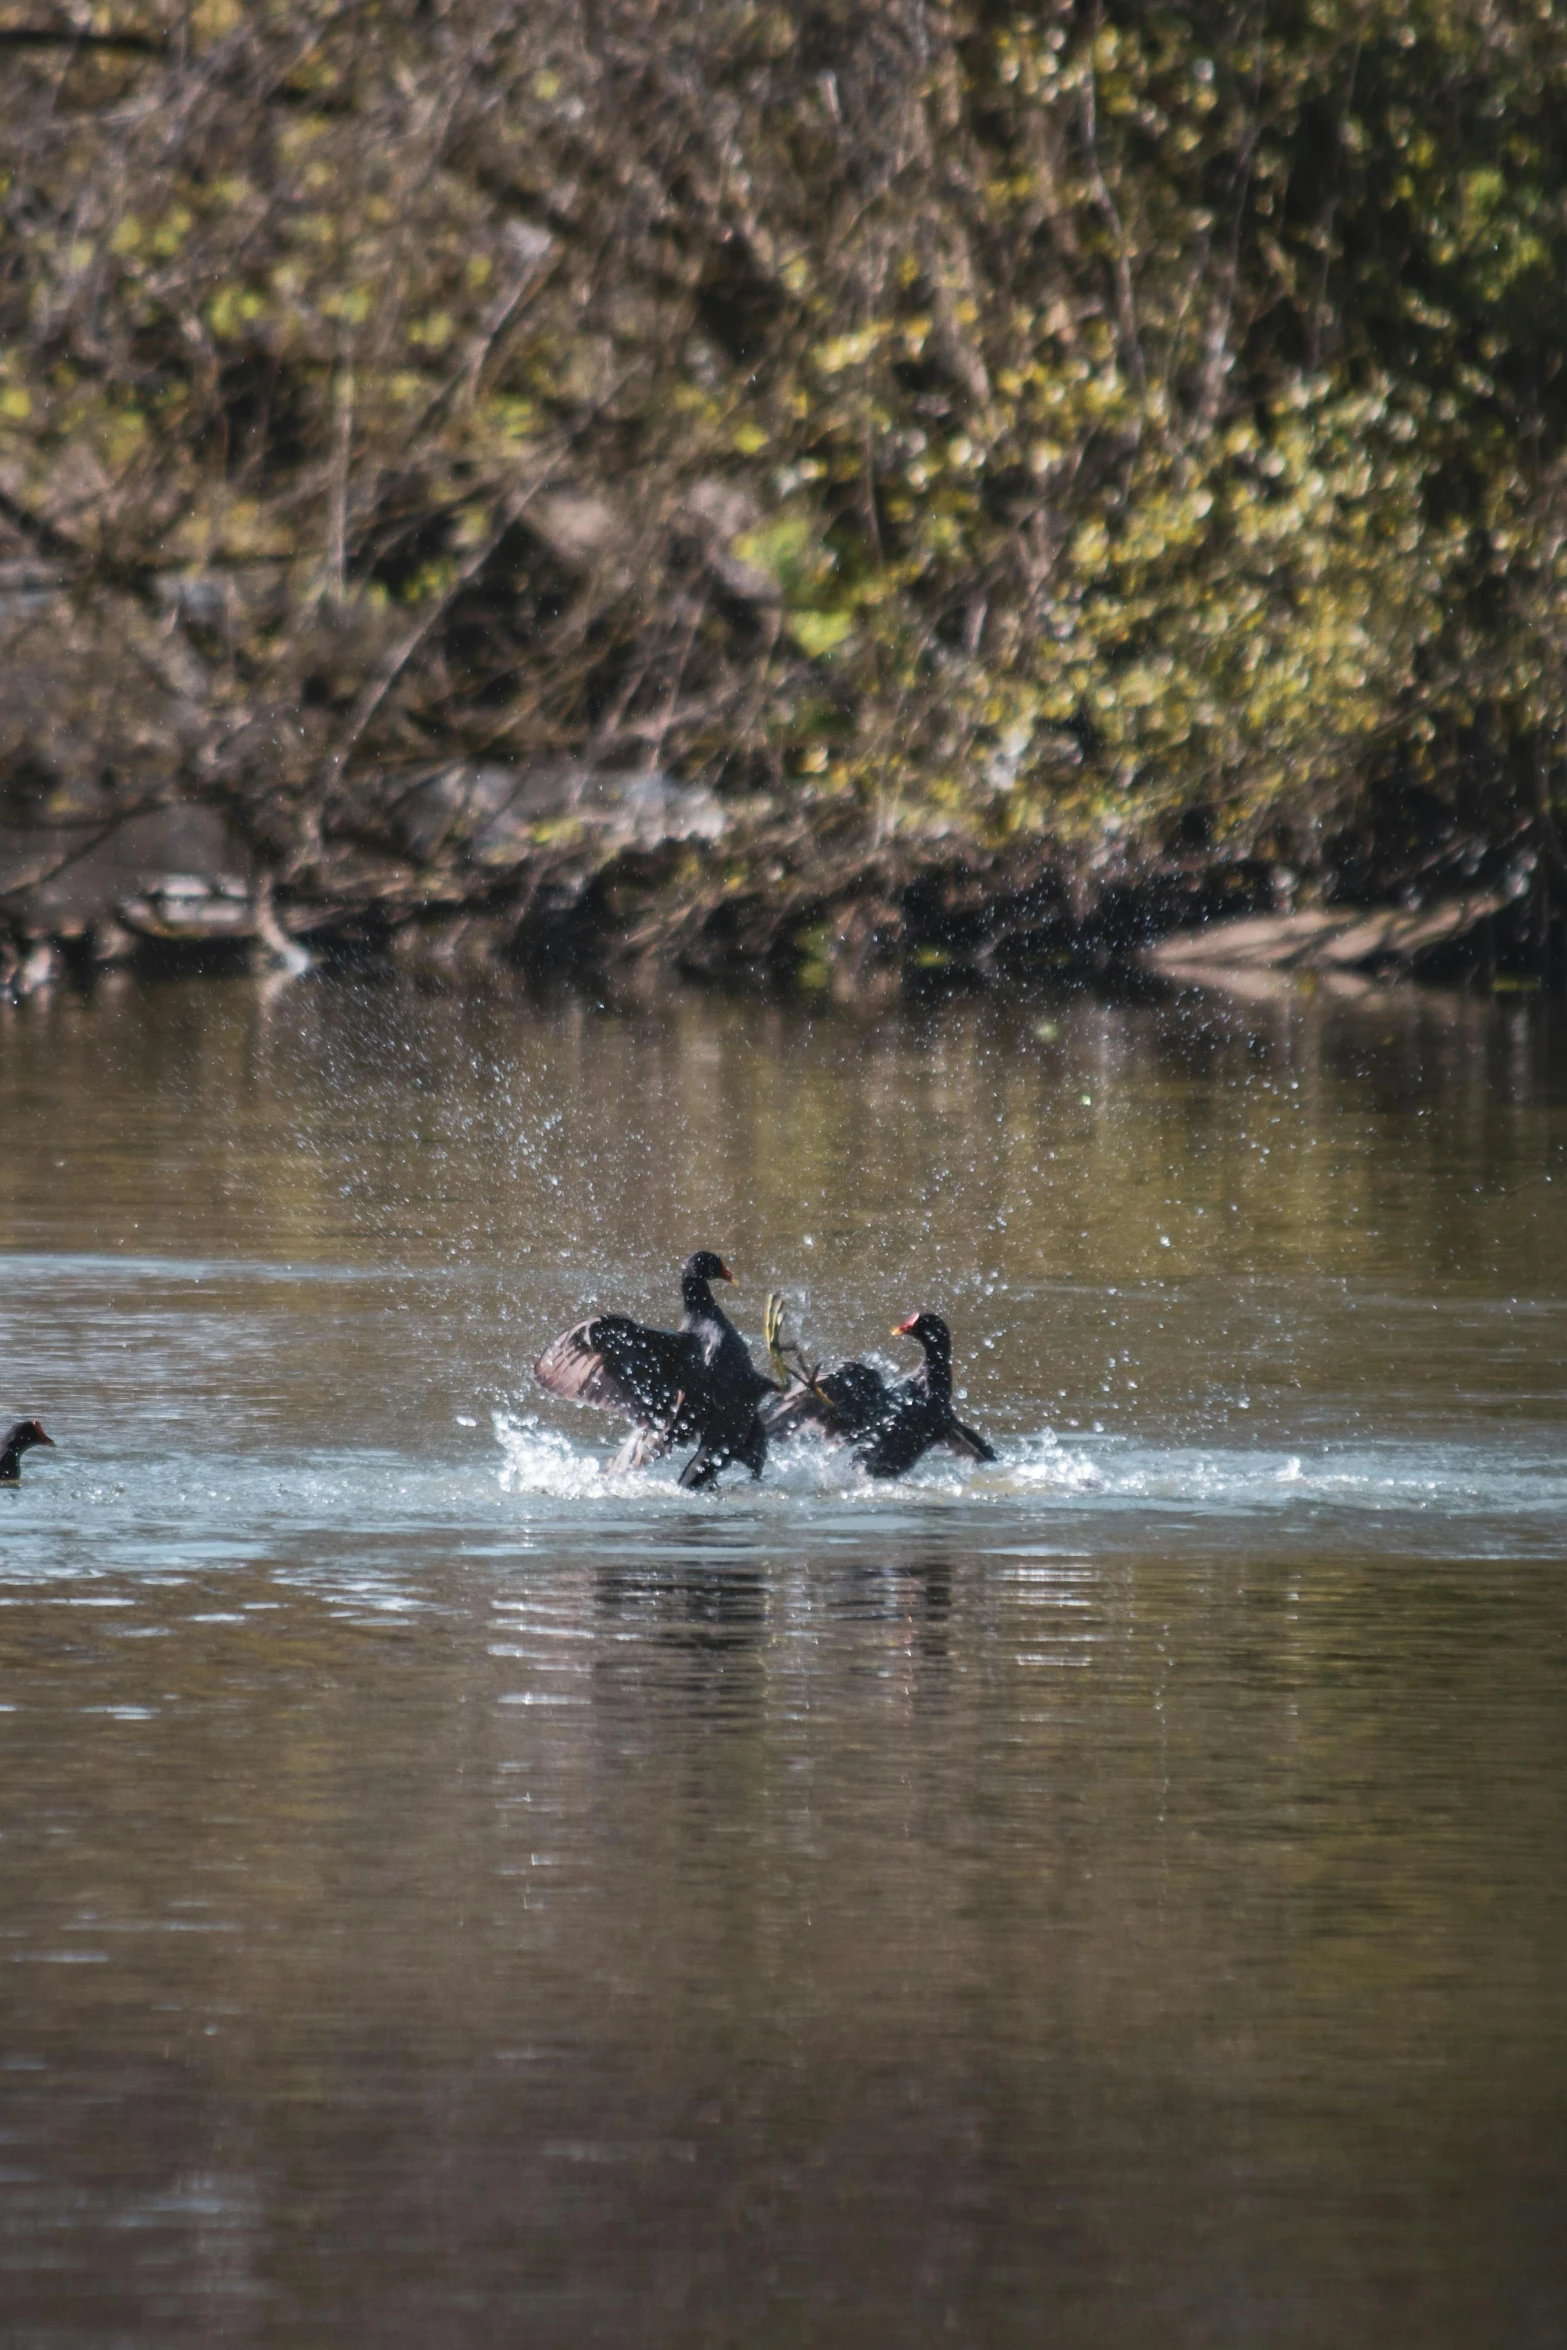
[1125, 293]
[337, 501]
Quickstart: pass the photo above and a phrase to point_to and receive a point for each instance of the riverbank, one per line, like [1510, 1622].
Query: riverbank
[823, 502]
[465, 869]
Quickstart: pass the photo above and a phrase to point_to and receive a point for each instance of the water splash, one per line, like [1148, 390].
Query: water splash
[543, 1461]
[1042, 1469]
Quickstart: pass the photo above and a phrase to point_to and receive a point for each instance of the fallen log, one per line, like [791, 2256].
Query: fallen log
[1340, 938]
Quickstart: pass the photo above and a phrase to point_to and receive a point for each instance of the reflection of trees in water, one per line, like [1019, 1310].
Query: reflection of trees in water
[921, 1152]
[717, 1604]
[706, 1604]
[721, 1610]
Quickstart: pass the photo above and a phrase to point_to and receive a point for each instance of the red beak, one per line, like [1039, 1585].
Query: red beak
[724, 1273]
[905, 1329]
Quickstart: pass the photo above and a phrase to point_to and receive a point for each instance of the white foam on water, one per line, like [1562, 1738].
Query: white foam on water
[1043, 1464]
[1115, 1472]
[540, 1460]
[543, 1461]
[1396, 1477]
[374, 1525]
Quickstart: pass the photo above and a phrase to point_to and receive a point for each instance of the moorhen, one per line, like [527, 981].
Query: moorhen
[919, 1410]
[20, 1437]
[695, 1383]
[890, 1427]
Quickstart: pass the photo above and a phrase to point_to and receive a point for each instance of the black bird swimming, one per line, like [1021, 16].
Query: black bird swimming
[20, 1437]
[695, 1383]
[890, 1426]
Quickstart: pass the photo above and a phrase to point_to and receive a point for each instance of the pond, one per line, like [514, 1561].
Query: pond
[451, 1893]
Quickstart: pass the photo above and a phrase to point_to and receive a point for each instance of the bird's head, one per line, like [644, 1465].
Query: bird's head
[25, 1434]
[929, 1329]
[705, 1266]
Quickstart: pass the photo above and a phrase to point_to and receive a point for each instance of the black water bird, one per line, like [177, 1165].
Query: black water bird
[890, 1424]
[695, 1384]
[919, 1411]
[20, 1437]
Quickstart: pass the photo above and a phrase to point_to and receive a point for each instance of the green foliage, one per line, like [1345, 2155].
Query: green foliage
[1060, 418]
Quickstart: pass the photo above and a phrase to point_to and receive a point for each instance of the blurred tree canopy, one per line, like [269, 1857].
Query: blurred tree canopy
[1056, 419]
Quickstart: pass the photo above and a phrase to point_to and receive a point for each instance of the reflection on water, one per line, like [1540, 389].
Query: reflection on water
[452, 1894]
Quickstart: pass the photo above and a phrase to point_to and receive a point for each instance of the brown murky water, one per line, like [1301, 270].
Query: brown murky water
[450, 1895]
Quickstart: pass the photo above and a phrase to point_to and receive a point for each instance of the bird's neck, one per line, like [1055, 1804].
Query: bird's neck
[11, 1465]
[938, 1375]
[700, 1303]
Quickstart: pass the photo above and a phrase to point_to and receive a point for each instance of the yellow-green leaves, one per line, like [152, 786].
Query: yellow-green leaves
[1083, 416]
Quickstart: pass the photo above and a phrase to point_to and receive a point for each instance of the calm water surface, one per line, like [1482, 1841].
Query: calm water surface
[450, 1895]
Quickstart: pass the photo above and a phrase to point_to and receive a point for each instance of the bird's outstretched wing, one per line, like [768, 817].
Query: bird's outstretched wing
[621, 1365]
[648, 1442]
[969, 1442]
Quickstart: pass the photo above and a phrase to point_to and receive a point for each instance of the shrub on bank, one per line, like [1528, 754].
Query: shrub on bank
[1059, 420]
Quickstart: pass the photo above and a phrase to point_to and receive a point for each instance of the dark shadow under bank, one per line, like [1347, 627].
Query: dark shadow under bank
[846, 915]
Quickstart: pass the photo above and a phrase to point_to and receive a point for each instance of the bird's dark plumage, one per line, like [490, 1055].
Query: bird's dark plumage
[919, 1411]
[841, 1403]
[695, 1384]
[858, 1395]
[20, 1437]
[890, 1425]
